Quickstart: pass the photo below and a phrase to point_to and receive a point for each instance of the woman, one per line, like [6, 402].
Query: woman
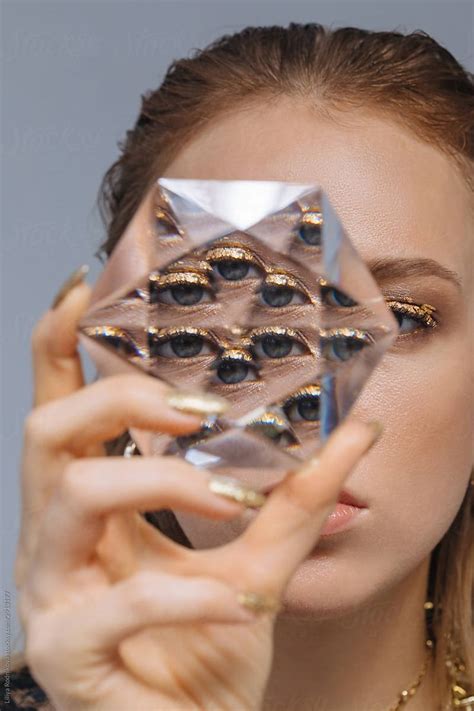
[284, 617]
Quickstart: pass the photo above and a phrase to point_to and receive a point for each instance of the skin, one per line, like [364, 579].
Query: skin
[397, 197]
[150, 624]
[360, 596]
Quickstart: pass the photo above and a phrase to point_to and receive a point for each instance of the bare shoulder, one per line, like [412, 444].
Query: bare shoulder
[21, 691]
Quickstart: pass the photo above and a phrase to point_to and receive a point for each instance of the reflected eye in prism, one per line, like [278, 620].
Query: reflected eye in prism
[116, 338]
[342, 344]
[179, 343]
[234, 263]
[331, 296]
[277, 342]
[165, 227]
[275, 428]
[280, 290]
[185, 288]
[304, 404]
[309, 229]
[234, 366]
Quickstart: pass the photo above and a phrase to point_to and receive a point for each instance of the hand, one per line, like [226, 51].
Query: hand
[116, 615]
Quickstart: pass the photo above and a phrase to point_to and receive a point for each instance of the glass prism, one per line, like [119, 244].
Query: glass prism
[250, 290]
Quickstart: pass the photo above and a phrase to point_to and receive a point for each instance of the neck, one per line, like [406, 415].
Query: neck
[360, 659]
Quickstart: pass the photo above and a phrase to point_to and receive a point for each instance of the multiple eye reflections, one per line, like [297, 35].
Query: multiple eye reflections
[236, 363]
[227, 359]
[212, 276]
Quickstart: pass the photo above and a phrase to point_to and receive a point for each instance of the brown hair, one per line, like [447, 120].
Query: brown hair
[408, 78]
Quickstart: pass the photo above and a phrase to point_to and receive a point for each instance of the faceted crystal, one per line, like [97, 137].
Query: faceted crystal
[249, 290]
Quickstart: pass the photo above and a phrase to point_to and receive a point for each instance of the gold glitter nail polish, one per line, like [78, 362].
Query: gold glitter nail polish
[233, 489]
[197, 403]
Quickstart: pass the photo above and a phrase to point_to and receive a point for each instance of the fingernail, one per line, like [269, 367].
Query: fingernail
[76, 278]
[234, 489]
[197, 403]
[259, 603]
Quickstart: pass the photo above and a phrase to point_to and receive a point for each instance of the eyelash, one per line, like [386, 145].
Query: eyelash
[422, 314]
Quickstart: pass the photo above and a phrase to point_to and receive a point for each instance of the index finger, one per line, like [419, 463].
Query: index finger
[287, 527]
[57, 367]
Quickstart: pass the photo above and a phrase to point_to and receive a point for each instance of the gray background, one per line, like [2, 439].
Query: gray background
[73, 73]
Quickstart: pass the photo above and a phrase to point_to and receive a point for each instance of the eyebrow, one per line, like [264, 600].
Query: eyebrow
[384, 269]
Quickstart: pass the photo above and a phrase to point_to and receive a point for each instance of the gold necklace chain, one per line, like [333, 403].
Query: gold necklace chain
[408, 693]
[459, 698]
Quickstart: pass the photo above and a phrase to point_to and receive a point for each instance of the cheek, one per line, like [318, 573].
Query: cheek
[418, 472]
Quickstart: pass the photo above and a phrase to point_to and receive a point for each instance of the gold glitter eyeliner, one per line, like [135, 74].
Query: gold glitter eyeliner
[113, 333]
[235, 252]
[163, 334]
[355, 333]
[270, 419]
[279, 331]
[307, 391]
[162, 281]
[422, 313]
[236, 354]
[278, 278]
[312, 217]
[182, 265]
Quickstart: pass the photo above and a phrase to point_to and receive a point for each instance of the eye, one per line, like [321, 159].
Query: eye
[342, 344]
[273, 427]
[412, 317]
[233, 263]
[303, 405]
[235, 269]
[335, 297]
[407, 324]
[281, 290]
[235, 366]
[185, 295]
[188, 343]
[165, 227]
[116, 338]
[309, 229]
[277, 343]
[181, 289]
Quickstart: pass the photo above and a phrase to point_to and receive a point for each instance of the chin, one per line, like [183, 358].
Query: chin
[334, 581]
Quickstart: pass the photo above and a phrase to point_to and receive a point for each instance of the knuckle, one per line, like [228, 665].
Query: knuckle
[140, 593]
[259, 576]
[39, 335]
[75, 486]
[38, 649]
[34, 425]
[121, 390]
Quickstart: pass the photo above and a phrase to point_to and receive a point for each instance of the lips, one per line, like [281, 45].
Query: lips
[345, 497]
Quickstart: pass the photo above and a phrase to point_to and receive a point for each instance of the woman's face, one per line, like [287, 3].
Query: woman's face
[399, 199]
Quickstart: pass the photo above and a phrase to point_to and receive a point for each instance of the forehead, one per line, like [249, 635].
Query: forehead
[396, 195]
